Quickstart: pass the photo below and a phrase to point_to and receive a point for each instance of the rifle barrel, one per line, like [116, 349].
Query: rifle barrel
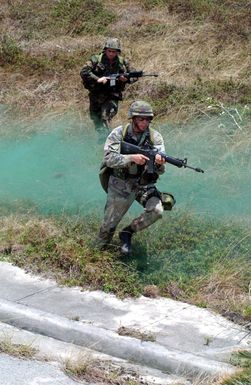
[155, 75]
[128, 148]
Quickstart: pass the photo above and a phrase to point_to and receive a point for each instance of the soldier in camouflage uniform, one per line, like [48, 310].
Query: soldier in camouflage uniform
[103, 97]
[129, 179]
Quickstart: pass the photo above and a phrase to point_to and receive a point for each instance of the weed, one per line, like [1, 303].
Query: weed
[247, 312]
[78, 369]
[149, 4]
[77, 17]
[10, 51]
[165, 97]
[242, 360]
[17, 350]
[194, 263]
[104, 372]
[226, 15]
[72, 17]
[130, 332]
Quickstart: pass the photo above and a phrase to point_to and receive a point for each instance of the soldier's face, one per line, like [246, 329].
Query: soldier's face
[141, 123]
[111, 53]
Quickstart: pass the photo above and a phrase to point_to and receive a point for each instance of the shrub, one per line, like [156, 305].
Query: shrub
[10, 52]
[77, 16]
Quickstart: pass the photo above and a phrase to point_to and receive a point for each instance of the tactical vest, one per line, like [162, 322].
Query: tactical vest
[146, 140]
[99, 69]
[105, 172]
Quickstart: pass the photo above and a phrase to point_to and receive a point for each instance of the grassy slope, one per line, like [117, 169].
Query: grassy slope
[200, 50]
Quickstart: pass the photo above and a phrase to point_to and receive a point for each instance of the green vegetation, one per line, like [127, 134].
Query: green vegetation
[105, 373]
[195, 260]
[63, 17]
[17, 350]
[243, 361]
[227, 15]
[199, 95]
[10, 52]
[77, 17]
[199, 48]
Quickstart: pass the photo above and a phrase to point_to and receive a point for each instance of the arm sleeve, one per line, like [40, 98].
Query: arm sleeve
[87, 70]
[112, 156]
[158, 143]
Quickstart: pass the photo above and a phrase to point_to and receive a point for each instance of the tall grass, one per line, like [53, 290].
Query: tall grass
[198, 48]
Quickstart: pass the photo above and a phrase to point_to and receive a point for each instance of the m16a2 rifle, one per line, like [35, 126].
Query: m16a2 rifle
[129, 75]
[128, 148]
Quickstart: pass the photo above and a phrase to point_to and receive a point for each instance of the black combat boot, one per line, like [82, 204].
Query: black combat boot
[102, 241]
[126, 236]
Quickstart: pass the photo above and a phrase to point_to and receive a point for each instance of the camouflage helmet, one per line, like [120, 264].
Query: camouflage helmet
[113, 43]
[140, 108]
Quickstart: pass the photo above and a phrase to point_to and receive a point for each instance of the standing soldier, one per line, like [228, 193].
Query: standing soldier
[128, 177]
[103, 95]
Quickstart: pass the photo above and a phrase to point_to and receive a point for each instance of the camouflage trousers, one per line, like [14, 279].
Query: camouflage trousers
[102, 109]
[121, 195]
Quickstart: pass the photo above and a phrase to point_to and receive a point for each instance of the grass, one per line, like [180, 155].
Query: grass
[135, 333]
[226, 15]
[196, 97]
[198, 47]
[242, 360]
[202, 262]
[100, 372]
[63, 17]
[17, 350]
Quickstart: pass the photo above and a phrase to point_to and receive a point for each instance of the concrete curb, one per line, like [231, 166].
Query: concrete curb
[60, 352]
[105, 341]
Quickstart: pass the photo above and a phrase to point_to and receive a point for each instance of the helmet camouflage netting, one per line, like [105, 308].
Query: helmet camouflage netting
[113, 43]
[140, 108]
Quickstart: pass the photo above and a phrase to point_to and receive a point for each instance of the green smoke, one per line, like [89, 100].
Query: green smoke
[52, 166]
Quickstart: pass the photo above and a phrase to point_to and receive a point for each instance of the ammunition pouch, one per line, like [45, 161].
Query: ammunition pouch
[168, 200]
[104, 175]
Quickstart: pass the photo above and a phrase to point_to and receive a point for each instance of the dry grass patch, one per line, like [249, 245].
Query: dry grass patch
[17, 350]
[183, 52]
[136, 333]
[106, 373]
[226, 290]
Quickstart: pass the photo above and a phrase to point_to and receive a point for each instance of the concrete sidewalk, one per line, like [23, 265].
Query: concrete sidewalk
[166, 335]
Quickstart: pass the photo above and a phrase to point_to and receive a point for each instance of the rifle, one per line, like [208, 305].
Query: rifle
[128, 148]
[132, 74]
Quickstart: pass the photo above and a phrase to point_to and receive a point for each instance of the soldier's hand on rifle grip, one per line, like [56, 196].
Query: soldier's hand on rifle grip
[103, 80]
[123, 78]
[139, 159]
[159, 159]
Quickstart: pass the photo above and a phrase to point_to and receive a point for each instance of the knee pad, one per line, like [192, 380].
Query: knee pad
[154, 205]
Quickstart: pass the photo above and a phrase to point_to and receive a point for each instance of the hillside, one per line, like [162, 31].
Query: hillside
[201, 51]
[199, 48]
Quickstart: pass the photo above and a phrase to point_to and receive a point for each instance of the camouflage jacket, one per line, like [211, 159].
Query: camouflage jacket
[99, 66]
[117, 161]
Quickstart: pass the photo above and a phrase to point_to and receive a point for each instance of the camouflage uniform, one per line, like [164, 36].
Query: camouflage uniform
[104, 98]
[130, 182]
